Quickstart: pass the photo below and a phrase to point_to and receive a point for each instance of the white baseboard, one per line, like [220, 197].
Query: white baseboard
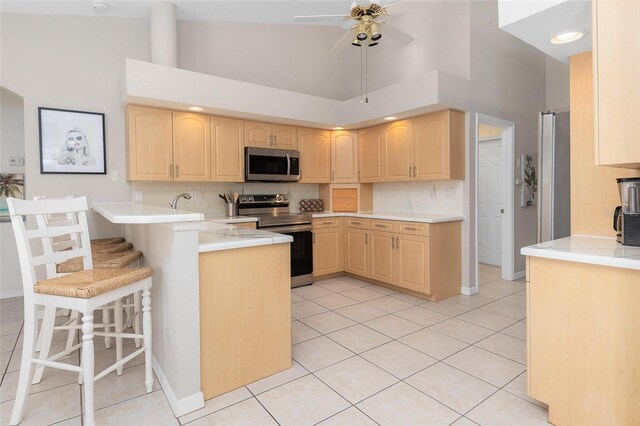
[518, 275]
[182, 406]
[469, 291]
[11, 293]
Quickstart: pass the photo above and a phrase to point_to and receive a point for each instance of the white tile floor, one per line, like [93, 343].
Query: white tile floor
[362, 355]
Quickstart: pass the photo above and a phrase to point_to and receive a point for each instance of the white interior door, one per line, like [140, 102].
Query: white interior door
[490, 203]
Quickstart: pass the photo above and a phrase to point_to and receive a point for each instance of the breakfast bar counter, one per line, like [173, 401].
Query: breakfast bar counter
[204, 270]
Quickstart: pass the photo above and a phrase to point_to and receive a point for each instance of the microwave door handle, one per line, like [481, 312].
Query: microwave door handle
[288, 165]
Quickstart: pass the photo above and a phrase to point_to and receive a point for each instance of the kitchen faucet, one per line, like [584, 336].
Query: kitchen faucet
[174, 202]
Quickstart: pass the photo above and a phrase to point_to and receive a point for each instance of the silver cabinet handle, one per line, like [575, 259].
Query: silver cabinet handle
[170, 170]
[333, 175]
[393, 242]
[366, 238]
[275, 139]
[377, 225]
[314, 238]
[409, 228]
[414, 171]
[397, 242]
[327, 223]
[410, 171]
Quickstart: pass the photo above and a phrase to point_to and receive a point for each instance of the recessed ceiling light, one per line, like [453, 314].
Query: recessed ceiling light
[567, 37]
[390, 118]
[338, 128]
[196, 108]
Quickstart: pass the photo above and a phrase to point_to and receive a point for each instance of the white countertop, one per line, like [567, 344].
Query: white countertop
[407, 217]
[144, 213]
[216, 236]
[230, 219]
[585, 249]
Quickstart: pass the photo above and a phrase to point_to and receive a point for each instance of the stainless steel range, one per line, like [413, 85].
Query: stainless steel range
[273, 215]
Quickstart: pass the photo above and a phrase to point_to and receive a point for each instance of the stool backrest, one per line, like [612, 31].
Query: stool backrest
[64, 242]
[76, 228]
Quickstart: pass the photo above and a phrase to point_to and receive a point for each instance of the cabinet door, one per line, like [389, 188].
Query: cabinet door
[344, 156]
[257, 135]
[315, 155]
[150, 144]
[383, 257]
[191, 145]
[284, 137]
[357, 252]
[431, 147]
[616, 65]
[327, 251]
[227, 150]
[413, 263]
[370, 154]
[398, 151]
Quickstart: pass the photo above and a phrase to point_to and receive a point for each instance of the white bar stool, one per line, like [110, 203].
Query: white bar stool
[82, 291]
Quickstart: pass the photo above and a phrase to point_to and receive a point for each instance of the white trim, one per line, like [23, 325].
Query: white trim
[508, 224]
[469, 291]
[519, 274]
[182, 406]
[11, 293]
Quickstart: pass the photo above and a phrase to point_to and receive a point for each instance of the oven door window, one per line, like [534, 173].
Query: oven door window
[267, 165]
[301, 253]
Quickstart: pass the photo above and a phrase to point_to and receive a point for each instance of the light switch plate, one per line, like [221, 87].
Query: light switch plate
[16, 161]
[115, 176]
[137, 195]
[451, 193]
[194, 195]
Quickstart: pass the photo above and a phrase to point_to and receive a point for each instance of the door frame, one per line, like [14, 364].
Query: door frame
[508, 171]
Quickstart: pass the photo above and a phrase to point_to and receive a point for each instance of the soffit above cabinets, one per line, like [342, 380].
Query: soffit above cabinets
[536, 22]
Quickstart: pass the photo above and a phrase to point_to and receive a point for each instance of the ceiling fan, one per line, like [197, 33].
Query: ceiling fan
[368, 28]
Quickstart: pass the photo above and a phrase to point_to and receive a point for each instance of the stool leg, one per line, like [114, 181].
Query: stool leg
[46, 334]
[71, 337]
[146, 329]
[87, 367]
[118, 320]
[137, 317]
[106, 318]
[26, 366]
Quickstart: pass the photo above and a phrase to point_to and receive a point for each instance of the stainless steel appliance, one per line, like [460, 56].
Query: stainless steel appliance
[271, 165]
[554, 208]
[626, 219]
[273, 215]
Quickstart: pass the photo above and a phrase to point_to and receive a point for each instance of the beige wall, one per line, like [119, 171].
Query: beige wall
[73, 63]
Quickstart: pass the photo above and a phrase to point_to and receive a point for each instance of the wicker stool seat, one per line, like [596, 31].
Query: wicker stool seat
[100, 261]
[103, 241]
[111, 248]
[92, 282]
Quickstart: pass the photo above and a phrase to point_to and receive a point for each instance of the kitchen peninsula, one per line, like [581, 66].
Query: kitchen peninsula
[204, 342]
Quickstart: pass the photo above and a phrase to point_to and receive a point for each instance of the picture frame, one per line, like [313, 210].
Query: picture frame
[72, 142]
[11, 185]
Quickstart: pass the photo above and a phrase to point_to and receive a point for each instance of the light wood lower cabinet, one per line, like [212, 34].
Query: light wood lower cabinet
[413, 263]
[383, 257]
[327, 251]
[357, 251]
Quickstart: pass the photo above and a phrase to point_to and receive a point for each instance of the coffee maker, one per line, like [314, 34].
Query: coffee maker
[626, 219]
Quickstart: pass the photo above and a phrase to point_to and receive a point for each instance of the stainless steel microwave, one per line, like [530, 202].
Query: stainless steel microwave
[271, 165]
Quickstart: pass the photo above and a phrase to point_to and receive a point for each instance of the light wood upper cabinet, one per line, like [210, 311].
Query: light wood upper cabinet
[398, 151]
[315, 155]
[438, 150]
[344, 156]
[616, 66]
[413, 262]
[383, 257]
[227, 149]
[191, 144]
[327, 251]
[265, 135]
[149, 144]
[357, 251]
[370, 151]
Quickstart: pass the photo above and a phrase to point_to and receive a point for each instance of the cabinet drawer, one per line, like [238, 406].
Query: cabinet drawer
[330, 222]
[413, 228]
[354, 222]
[383, 225]
[247, 225]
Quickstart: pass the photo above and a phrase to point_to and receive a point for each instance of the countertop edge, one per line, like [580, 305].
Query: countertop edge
[243, 243]
[390, 216]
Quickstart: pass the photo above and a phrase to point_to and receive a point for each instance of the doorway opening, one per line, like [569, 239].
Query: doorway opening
[494, 199]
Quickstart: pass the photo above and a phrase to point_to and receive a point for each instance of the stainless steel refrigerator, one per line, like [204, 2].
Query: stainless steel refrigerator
[554, 177]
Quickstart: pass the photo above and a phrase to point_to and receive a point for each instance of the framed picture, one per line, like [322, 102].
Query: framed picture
[11, 185]
[72, 141]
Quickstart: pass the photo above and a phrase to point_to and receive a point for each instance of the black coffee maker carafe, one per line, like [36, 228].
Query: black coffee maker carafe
[626, 218]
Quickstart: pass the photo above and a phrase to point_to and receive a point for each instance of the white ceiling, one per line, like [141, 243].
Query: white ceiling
[537, 25]
[248, 11]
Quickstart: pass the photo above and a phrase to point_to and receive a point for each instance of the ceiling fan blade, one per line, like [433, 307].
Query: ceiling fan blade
[395, 34]
[402, 6]
[321, 19]
[344, 41]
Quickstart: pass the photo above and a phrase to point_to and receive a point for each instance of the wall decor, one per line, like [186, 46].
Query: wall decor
[11, 185]
[72, 141]
[530, 188]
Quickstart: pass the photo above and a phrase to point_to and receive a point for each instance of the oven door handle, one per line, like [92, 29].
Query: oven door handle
[288, 165]
[287, 229]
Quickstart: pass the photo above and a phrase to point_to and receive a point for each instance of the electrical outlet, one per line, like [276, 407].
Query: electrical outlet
[451, 193]
[194, 195]
[137, 195]
[16, 161]
[115, 176]
[432, 192]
